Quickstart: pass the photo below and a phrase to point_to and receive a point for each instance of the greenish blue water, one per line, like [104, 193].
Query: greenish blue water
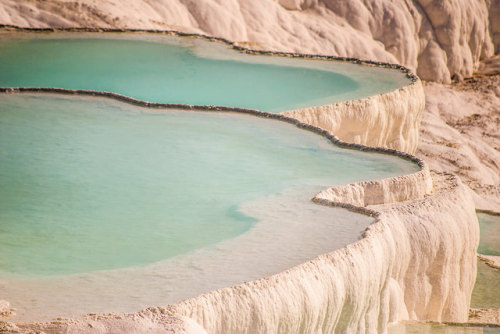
[436, 328]
[486, 291]
[489, 241]
[177, 73]
[90, 184]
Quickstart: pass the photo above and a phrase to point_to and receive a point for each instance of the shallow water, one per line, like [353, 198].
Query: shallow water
[486, 291]
[83, 180]
[119, 207]
[185, 71]
[88, 184]
[489, 242]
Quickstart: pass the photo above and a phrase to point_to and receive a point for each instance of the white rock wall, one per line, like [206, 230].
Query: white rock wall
[437, 39]
[418, 261]
[386, 191]
[387, 120]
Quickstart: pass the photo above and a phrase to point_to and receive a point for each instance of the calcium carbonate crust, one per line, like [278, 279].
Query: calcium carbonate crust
[416, 261]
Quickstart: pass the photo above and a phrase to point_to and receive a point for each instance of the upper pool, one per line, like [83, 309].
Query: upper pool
[187, 71]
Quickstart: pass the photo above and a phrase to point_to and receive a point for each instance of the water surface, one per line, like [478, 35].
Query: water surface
[121, 207]
[486, 291]
[185, 71]
[83, 180]
[436, 328]
[489, 241]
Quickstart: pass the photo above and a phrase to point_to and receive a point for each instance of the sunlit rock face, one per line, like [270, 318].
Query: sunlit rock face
[416, 262]
[436, 39]
[389, 120]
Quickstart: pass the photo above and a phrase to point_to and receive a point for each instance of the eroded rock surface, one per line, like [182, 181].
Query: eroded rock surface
[461, 134]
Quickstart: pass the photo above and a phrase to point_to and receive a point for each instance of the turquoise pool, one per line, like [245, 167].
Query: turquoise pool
[83, 180]
[173, 70]
[121, 207]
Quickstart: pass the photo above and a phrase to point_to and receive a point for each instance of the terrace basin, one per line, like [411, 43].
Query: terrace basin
[121, 207]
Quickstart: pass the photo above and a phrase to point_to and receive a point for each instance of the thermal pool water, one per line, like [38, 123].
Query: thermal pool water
[486, 292]
[111, 207]
[181, 70]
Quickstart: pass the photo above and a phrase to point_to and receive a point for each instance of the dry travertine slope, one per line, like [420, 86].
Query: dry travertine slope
[460, 133]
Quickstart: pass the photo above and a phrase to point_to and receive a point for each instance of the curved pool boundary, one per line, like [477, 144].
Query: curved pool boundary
[361, 287]
[387, 119]
[422, 188]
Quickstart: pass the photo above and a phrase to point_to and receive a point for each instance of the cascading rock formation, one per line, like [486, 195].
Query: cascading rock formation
[417, 261]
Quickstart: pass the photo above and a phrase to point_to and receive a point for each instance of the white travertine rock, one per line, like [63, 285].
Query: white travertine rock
[491, 260]
[416, 262]
[419, 260]
[386, 191]
[5, 309]
[388, 120]
[437, 39]
[151, 320]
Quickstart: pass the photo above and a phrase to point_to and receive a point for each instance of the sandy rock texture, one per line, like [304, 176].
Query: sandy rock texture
[437, 39]
[488, 316]
[151, 320]
[460, 133]
[490, 260]
[5, 309]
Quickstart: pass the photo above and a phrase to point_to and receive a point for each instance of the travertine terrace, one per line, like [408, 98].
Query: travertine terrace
[418, 260]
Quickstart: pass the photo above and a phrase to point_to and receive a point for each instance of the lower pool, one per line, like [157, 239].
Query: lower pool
[120, 207]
